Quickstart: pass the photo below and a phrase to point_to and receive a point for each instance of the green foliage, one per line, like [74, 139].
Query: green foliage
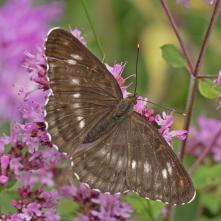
[67, 209]
[5, 201]
[187, 212]
[208, 89]
[211, 201]
[144, 210]
[173, 56]
[205, 176]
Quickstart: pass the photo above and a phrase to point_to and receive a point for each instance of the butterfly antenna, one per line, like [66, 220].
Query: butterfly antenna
[163, 107]
[138, 50]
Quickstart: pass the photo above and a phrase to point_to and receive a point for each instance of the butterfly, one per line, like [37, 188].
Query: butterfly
[113, 148]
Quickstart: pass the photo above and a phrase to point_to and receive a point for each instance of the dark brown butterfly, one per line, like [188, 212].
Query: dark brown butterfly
[114, 149]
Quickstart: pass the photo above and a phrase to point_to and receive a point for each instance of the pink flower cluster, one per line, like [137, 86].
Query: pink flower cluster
[203, 136]
[164, 121]
[23, 25]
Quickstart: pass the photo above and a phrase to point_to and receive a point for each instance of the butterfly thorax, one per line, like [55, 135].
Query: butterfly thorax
[122, 110]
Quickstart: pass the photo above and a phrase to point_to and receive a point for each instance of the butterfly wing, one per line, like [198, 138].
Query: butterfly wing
[134, 156]
[154, 171]
[83, 91]
[104, 165]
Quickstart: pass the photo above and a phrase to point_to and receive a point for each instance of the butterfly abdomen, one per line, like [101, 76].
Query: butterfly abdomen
[122, 110]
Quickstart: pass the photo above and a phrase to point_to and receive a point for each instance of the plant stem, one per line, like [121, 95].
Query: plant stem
[193, 70]
[206, 37]
[177, 33]
[193, 81]
[93, 29]
[205, 152]
[206, 76]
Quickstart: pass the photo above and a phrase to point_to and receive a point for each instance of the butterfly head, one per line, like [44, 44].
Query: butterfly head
[125, 106]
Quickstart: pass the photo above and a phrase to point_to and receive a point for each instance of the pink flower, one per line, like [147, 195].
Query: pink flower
[218, 80]
[21, 32]
[169, 135]
[141, 104]
[166, 121]
[201, 137]
[77, 34]
[4, 163]
[3, 179]
[51, 215]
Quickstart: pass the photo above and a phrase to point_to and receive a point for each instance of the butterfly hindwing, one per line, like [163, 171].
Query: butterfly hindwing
[154, 170]
[83, 91]
[134, 156]
[104, 165]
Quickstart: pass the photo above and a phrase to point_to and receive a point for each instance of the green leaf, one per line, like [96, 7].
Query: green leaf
[5, 201]
[67, 209]
[144, 209]
[205, 176]
[208, 89]
[11, 183]
[211, 201]
[187, 212]
[173, 56]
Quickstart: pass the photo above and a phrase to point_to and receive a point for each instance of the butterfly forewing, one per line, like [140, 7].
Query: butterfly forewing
[83, 91]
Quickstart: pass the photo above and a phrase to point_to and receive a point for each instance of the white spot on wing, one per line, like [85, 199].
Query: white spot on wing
[169, 168]
[76, 105]
[76, 95]
[133, 164]
[71, 61]
[76, 175]
[76, 57]
[164, 173]
[119, 163]
[52, 66]
[75, 81]
[79, 118]
[146, 167]
[82, 124]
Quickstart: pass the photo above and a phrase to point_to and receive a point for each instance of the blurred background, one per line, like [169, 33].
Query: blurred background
[120, 26]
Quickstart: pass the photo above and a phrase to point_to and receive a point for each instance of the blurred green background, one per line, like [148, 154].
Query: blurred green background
[121, 25]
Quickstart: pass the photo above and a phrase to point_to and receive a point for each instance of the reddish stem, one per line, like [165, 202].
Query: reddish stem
[206, 37]
[193, 71]
[177, 33]
[193, 82]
